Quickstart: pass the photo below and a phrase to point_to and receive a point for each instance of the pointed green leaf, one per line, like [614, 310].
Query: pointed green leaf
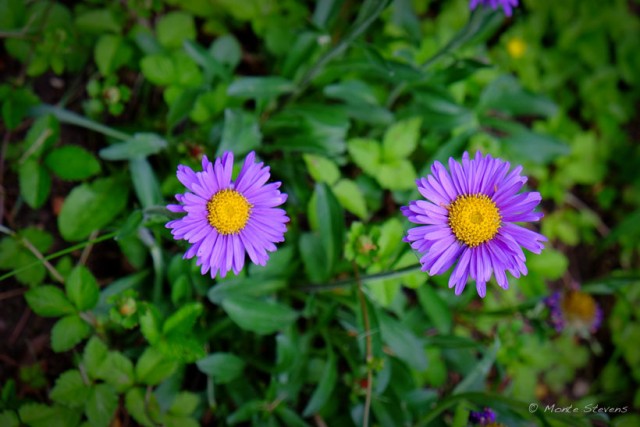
[49, 301]
[82, 288]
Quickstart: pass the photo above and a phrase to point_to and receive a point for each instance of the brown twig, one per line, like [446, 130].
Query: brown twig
[12, 293]
[87, 250]
[19, 327]
[55, 273]
[573, 201]
[368, 347]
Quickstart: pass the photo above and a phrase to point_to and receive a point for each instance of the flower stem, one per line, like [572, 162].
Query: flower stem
[368, 347]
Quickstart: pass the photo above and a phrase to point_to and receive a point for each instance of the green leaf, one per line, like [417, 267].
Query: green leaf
[97, 21]
[101, 405]
[366, 153]
[322, 169]
[35, 183]
[141, 145]
[9, 419]
[182, 106]
[145, 182]
[506, 94]
[248, 286]
[399, 175]
[402, 341]
[138, 408]
[42, 135]
[436, 309]
[111, 53]
[153, 367]
[150, 325]
[351, 198]
[401, 139]
[222, 367]
[94, 355]
[182, 321]
[241, 133]
[48, 301]
[226, 50]
[314, 257]
[15, 255]
[255, 315]
[476, 377]
[68, 332]
[117, 370]
[260, 87]
[323, 393]
[352, 91]
[39, 415]
[330, 224]
[174, 28]
[71, 162]
[90, 207]
[159, 69]
[82, 288]
[70, 390]
[184, 404]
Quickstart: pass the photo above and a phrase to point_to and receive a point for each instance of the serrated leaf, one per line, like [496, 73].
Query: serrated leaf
[399, 175]
[182, 321]
[70, 390]
[153, 367]
[184, 404]
[68, 332]
[401, 139]
[82, 288]
[49, 301]
[111, 52]
[35, 183]
[71, 162]
[150, 325]
[94, 355]
[137, 407]
[174, 28]
[90, 207]
[222, 367]
[255, 315]
[322, 394]
[366, 153]
[101, 405]
[351, 198]
[322, 169]
[117, 370]
[39, 415]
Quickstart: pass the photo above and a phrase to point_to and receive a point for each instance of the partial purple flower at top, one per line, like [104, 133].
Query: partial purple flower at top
[226, 219]
[507, 5]
[483, 417]
[469, 219]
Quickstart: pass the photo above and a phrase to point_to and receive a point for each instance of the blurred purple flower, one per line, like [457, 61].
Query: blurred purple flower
[226, 219]
[469, 219]
[574, 310]
[507, 5]
[484, 417]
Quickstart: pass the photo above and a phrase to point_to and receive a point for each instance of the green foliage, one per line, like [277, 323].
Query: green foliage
[348, 103]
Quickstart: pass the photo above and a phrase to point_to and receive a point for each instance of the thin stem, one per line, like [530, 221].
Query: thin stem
[345, 283]
[58, 254]
[368, 347]
[574, 201]
[54, 273]
[87, 250]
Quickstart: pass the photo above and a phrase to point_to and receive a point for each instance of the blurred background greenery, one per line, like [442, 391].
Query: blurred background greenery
[103, 323]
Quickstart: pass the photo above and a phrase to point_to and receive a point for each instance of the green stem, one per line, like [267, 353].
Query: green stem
[58, 254]
[345, 283]
[69, 117]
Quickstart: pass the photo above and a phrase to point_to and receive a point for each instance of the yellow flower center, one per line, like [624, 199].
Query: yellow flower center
[579, 307]
[516, 48]
[228, 211]
[474, 219]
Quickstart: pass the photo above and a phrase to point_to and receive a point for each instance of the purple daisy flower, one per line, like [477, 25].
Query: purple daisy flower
[507, 5]
[225, 218]
[469, 218]
[483, 418]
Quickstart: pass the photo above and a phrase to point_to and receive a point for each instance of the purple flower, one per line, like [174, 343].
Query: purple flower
[507, 5]
[484, 417]
[574, 310]
[469, 220]
[225, 218]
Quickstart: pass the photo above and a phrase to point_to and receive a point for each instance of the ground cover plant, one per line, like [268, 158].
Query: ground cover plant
[319, 213]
